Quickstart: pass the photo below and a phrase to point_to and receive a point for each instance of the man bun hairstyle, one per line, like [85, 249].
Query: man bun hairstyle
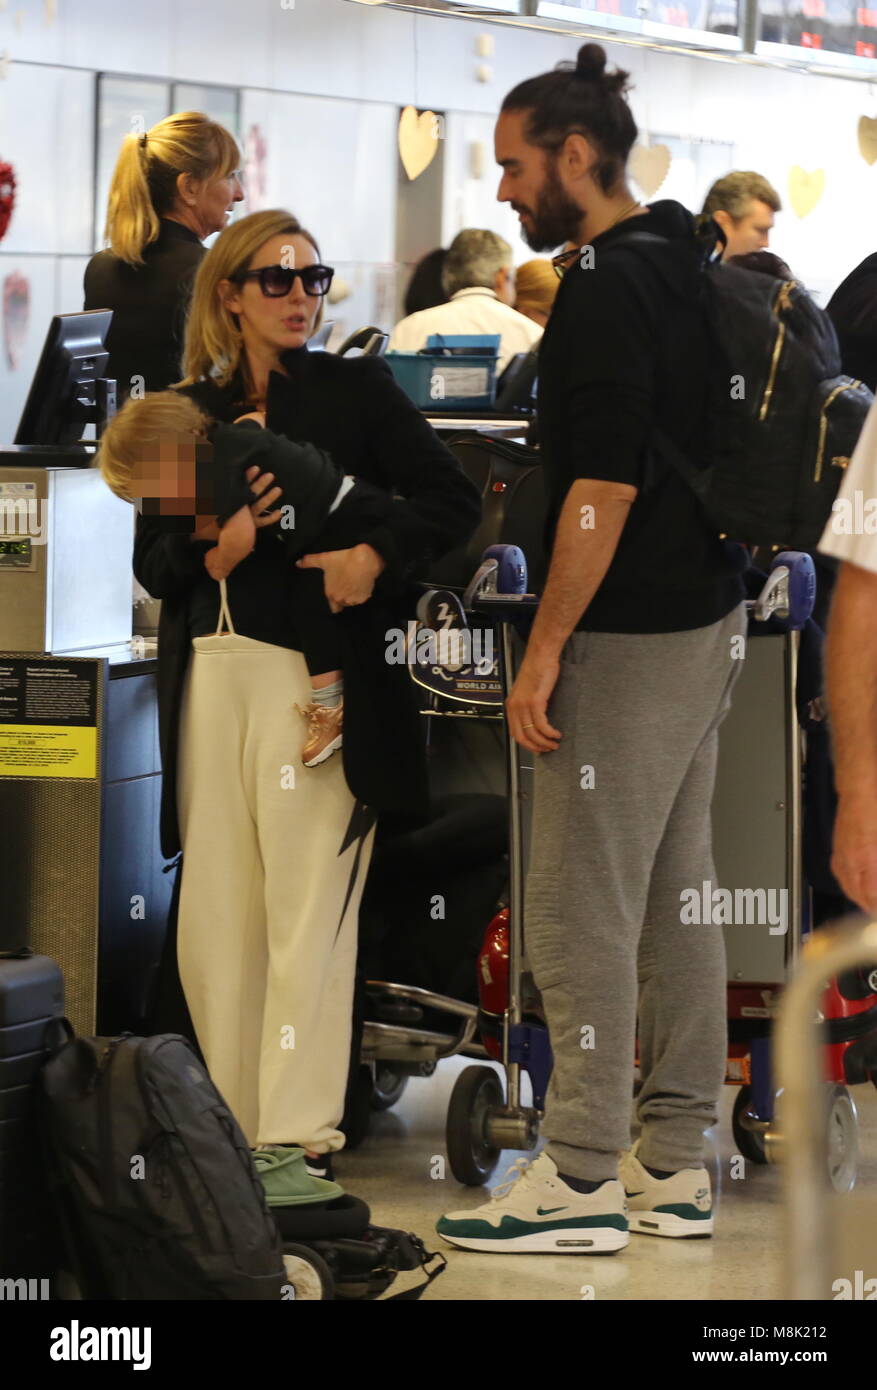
[580, 98]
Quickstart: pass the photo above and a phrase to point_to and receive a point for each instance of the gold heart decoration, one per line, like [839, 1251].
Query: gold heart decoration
[418, 140]
[868, 139]
[805, 188]
[650, 165]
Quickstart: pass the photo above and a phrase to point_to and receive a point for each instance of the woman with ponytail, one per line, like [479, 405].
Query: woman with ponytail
[172, 187]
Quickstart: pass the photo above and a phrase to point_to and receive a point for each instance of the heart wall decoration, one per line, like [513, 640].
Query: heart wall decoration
[868, 139]
[16, 314]
[419, 134]
[806, 188]
[650, 165]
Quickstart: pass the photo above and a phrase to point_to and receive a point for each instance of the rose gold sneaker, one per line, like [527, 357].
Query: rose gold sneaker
[324, 732]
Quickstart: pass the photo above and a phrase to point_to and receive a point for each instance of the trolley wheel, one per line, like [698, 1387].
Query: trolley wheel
[749, 1142]
[308, 1276]
[471, 1155]
[357, 1116]
[388, 1086]
[842, 1126]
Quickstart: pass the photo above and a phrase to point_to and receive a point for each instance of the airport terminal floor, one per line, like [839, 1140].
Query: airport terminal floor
[392, 1172]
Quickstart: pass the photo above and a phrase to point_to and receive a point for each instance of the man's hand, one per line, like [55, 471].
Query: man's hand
[257, 415]
[580, 558]
[348, 575]
[854, 861]
[528, 702]
[851, 670]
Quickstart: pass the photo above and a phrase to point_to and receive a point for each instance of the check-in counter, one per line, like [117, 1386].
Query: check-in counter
[79, 762]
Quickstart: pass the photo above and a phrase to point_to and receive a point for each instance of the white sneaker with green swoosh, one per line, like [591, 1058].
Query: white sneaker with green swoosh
[533, 1210]
[678, 1206]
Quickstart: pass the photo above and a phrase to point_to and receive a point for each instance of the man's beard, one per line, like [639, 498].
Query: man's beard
[556, 217]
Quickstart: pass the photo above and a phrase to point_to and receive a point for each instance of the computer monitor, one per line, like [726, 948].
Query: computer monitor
[69, 389]
[516, 388]
[318, 341]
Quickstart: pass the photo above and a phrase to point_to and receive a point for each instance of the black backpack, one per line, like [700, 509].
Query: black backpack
[155, 1185]
[783, 419]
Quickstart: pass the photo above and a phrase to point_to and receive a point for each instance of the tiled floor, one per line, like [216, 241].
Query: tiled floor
[392, 1171]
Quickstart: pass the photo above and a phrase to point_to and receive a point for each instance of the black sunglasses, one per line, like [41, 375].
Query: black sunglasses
[277, 280]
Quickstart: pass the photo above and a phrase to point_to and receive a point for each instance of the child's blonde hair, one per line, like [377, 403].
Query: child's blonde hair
[139, 421]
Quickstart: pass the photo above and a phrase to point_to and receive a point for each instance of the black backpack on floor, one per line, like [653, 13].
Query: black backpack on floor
[155, 1184]
[783, 419]
[362, 1260]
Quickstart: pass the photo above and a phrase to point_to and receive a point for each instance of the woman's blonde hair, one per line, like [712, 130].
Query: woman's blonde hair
[144, 183]
[157, 415]
[535, 287]
[214, 344]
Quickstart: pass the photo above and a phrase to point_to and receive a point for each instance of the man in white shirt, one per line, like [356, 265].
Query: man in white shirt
[480, 282]
[851, 536]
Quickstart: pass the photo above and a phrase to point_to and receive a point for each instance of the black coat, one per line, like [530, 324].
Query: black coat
[352, 408]
[853, 311]
[149, 305]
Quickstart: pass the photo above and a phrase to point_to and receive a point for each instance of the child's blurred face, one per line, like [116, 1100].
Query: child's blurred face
[171, 477]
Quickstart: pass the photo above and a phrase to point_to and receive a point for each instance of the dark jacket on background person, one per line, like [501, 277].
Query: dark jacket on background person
[625, 353]
[853, 311]
[149, 305]
[353, 409]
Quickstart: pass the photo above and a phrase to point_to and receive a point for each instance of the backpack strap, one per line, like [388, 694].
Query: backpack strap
[425, 1256]
[696, 478]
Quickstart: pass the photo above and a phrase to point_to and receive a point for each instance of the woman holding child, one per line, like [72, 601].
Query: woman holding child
[276, 847]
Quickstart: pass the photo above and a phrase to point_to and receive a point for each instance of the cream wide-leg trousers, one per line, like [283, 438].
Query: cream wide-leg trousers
[275, 856]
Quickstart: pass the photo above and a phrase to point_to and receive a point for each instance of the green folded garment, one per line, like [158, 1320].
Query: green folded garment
[286, 1180]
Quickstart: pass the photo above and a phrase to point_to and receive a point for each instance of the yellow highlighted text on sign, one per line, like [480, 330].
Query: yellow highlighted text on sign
[47, 750]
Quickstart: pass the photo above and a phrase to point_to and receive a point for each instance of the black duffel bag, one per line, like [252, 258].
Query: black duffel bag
[510, 478]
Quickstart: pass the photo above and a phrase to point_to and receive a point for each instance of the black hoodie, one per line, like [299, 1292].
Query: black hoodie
[625, 353]
[853, 311]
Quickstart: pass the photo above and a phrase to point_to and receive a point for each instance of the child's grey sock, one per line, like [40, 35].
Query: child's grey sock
[330, 695]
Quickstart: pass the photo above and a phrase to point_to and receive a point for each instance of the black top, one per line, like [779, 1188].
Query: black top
[352, 408]
[149, 305]
[853, 311]
[624, 353]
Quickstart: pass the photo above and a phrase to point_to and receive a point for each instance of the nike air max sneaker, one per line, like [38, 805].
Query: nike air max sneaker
[533, 1211]
[678, 1206]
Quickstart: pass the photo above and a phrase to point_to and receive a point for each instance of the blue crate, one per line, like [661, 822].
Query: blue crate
[452, 379]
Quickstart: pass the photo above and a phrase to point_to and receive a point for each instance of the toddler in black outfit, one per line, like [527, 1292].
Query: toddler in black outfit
[163, 453]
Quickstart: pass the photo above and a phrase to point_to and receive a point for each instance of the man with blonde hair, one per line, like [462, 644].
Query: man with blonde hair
[480, 281]
[743, 204]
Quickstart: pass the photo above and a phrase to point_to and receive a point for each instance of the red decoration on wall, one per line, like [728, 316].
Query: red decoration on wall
[7, 196]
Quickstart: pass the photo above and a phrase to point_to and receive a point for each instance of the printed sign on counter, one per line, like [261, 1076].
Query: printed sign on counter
[48, 717]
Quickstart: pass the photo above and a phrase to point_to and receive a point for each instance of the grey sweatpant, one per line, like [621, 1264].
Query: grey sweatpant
[621, 826]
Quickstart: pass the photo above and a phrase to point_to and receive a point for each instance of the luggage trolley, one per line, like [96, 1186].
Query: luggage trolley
[483, 1117]
[480, 1121]
[396, 1043]
[757, 839]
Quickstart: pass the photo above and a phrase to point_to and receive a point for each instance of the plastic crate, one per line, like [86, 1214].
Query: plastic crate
[452, 379]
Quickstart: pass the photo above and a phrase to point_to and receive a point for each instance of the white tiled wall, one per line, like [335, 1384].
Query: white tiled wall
[23, 331]
[324, 80]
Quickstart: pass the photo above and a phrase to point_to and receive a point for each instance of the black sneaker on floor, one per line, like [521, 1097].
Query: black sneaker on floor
[320, 1166]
